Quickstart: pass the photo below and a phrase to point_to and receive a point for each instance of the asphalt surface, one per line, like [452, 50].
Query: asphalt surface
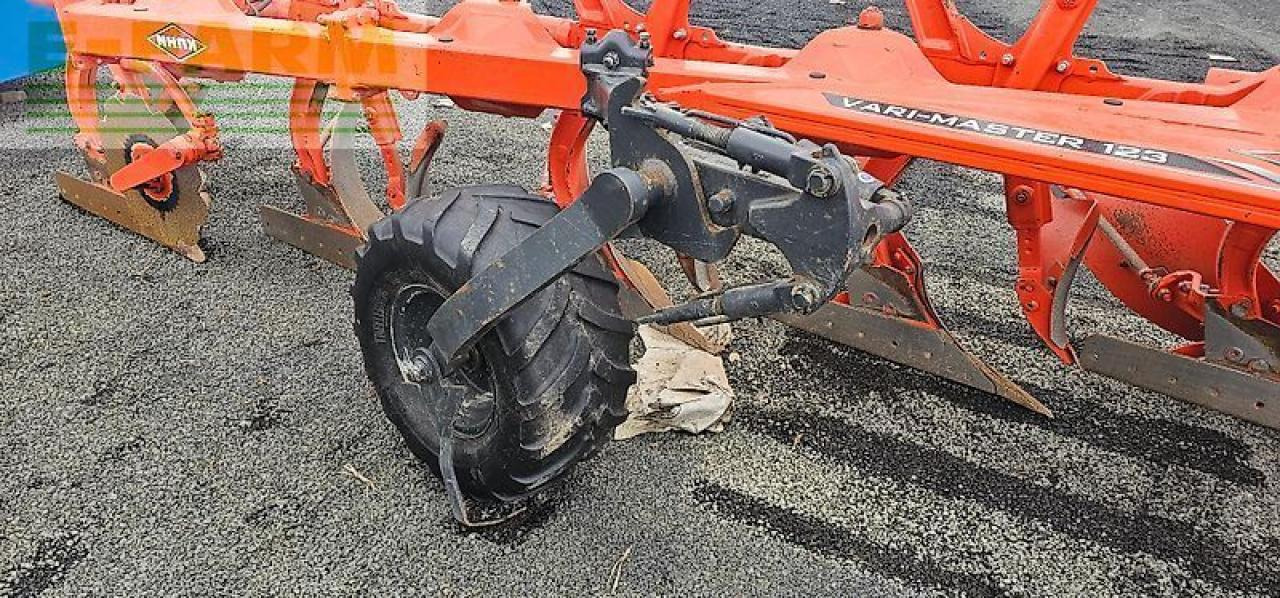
[182, 429]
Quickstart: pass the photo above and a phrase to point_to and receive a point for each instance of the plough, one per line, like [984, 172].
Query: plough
[490, 317]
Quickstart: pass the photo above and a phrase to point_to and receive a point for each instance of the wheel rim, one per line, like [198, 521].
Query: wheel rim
[411, 310]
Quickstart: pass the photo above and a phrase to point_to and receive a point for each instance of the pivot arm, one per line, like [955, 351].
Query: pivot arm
[823, 214]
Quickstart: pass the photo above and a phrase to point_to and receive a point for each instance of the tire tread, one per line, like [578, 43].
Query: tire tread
[566, 347]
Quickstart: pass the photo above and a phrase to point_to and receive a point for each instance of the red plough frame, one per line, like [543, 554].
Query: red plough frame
[1168, 192]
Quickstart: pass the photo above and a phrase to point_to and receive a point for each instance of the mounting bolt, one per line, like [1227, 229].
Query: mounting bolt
[680, 34]
[1007, 59]
[805, 297]
[720, 202]
[644, 40]
[420, 369]
[1235, 354]
[1063, 66]
[821, 183]
[1022, 196]
[591, 35]
[1240, 309]
[611, 60]
[871, 18]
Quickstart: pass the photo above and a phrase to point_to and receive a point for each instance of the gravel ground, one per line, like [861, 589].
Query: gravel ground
[173, 428]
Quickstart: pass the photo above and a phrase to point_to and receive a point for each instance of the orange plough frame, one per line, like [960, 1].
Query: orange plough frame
[1168, 192]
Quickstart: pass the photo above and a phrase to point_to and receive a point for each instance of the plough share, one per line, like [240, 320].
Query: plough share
[491, 318]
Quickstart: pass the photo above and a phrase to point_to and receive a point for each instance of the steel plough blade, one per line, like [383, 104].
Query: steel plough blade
[177, 224]
[913, 344]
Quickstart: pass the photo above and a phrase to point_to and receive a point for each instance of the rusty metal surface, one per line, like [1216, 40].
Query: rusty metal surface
[321, 200]
[873, 288]
[323, 240]
[176, 227]
[179, 232]
[1248, 397]
[910, 344]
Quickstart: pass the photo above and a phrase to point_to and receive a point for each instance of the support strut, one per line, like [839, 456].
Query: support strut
[615, 200]
[339, 209]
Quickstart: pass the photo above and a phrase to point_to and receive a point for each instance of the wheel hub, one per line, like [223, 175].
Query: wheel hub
[413, 307]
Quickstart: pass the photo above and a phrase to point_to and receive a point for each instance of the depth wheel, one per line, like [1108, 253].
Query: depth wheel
[544, 388]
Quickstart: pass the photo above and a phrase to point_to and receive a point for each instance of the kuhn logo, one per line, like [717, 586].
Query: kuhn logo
[176, 42]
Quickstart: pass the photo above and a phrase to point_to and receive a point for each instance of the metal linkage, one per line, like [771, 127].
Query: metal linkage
[826, 219]
[826, 231]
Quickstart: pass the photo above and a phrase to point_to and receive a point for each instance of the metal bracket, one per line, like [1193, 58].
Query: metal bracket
[1241, 342]
[449, 404]
[418, 184]
[338, 213]
[826, 222]
[615, 200]
[1054, 228]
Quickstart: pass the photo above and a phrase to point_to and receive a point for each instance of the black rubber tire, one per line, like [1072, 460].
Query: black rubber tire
[552, 376]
